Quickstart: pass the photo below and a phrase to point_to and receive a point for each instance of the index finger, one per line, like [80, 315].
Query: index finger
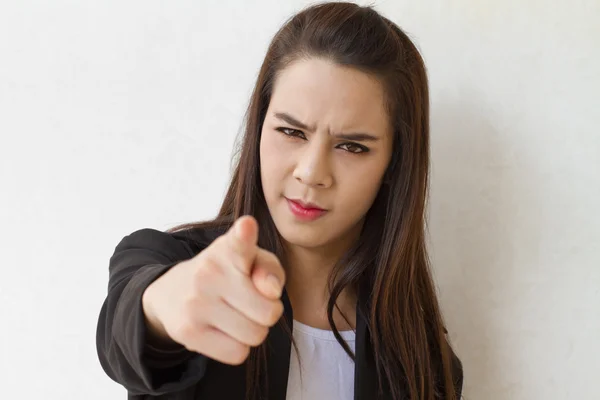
[242, 238]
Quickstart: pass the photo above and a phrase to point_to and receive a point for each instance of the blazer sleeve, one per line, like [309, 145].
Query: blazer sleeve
[124, 352]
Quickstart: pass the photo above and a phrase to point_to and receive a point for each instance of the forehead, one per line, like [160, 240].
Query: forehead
[320, 92]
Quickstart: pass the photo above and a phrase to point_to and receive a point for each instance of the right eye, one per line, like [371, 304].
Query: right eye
[291, 133]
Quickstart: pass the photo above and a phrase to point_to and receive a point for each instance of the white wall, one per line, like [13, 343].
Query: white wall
[120, 115]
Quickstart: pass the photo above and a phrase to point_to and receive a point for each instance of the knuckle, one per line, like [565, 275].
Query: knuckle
[239, 353]
[207, 273]
[254, 340]
[263, 333]
[274, 312]
[219, 245]
[185, 331]
[259, 335]
[189, 326]
[274, 260]
[189, 307]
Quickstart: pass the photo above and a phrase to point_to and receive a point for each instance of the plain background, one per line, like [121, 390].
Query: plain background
[119, 115]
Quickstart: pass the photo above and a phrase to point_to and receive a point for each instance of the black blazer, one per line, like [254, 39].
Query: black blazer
[178, 374]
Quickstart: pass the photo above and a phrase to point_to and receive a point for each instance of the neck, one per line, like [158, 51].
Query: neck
[307, 274]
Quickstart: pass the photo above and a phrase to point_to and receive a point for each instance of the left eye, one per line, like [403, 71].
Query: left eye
[353, 148]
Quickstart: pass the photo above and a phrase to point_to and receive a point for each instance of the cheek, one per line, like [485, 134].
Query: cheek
[271, 160]
[358, 188]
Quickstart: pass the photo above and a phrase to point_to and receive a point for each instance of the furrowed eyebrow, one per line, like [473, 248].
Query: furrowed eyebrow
[285, 117]
[357, 137]
[354, 136]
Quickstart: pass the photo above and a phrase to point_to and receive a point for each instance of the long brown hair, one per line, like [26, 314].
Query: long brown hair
[390, 261]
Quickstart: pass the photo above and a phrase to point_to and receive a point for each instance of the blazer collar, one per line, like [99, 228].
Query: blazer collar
[279, 347]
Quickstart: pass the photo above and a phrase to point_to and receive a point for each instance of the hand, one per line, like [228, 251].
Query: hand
[221, 302]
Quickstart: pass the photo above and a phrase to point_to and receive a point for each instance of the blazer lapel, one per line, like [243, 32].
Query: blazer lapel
[278, 353]
[365, 374]
[365, 371]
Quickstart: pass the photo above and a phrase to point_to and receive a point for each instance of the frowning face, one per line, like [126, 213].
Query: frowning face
[325, 145]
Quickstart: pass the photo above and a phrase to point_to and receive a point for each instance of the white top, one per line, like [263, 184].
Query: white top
[327, 371]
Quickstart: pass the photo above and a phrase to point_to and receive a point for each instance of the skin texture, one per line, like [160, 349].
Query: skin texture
[220, 302]
[306, 158]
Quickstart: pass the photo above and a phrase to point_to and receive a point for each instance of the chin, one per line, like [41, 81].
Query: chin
[308, 241]
[302, 235]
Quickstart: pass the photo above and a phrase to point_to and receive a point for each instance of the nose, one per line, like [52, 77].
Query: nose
[313, 166]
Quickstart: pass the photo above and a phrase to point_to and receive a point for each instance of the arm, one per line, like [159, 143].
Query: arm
[128, 352]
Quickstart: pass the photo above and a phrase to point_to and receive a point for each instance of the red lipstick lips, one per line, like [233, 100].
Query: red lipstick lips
[305, 211]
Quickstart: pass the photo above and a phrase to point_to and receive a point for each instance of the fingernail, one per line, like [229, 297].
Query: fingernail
[273, 282]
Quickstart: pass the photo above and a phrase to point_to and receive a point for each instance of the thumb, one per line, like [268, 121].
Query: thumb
[268, 276]
[266, 283]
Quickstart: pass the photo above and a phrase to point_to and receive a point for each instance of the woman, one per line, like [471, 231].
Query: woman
[313, 280]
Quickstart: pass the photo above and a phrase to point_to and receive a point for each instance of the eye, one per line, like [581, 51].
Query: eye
[353, 148]
[291, 132]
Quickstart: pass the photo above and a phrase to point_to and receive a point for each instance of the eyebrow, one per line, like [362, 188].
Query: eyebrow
[356, 136]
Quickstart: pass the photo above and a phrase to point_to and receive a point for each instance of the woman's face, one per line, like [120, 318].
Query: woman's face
[326, 140]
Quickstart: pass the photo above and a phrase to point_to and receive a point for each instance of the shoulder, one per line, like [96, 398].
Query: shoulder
[173, 246]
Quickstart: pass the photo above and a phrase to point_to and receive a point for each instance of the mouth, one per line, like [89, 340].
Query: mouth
[305, 210]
